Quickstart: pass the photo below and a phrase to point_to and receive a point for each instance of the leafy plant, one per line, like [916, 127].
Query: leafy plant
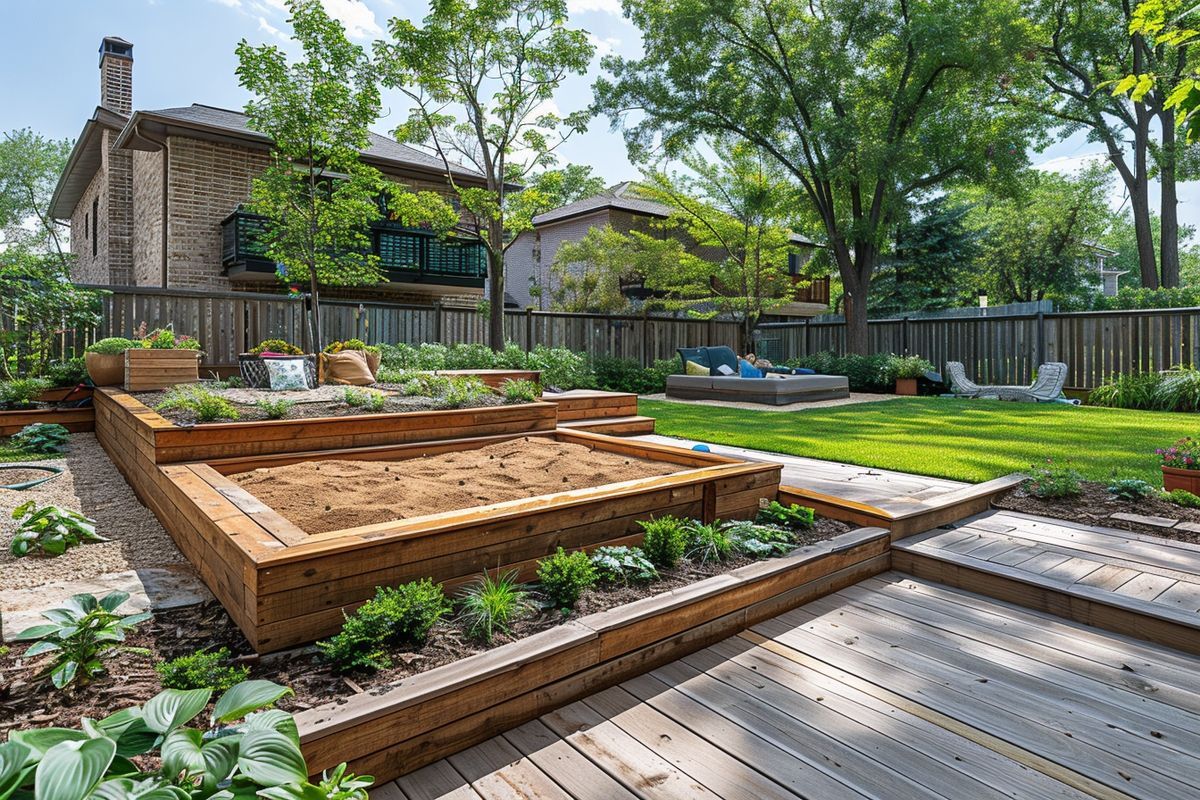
[759, 541]
[561, 368]
[206, 669]
[900, 367]
[522, 391]
[665, 540]
[50, 530]
[1184, 454]
[67, 373]
[204, 404]
[624, 375]
[623, 565]
[276, 346]
[1182, 497]
[491, 605]
[275, 409]
[167, 339]
[865, 373]
[1129, 489]
[401, 615]
[794, 516]
[463, 392]
[1179, 389]
[470, 356]
[707, 543]
[22, 392]
[352, 344]
[1053, 481]
[41, 438]
[565, 576]
[248, 749]
[80, 635]
[112, 346]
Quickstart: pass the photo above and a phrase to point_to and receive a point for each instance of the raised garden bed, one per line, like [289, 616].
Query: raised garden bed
[1096, 506]
[158, 368]
[286, 586]
[49, 410]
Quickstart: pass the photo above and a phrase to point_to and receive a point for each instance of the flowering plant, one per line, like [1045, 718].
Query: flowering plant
[1184, 454]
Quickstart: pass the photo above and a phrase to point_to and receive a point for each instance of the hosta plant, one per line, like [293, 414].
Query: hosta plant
[41, 438]
[794, 516]
[80, 635]
[247, 749]
[620, 564]
[759, 541]
[50, 530]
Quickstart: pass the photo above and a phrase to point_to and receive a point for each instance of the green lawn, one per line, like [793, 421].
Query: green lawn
[959, 439]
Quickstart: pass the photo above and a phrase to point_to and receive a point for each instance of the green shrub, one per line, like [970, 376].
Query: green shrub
[899, 367]
[463, 392]
[50, 530]
[370, 399]
[113, 346]
[80, 635]
[421, 384]
[623, 565]
[1179, 390]
[68, 373]
[864, 373]
[623, 375]
[1182, 498]
[234, 382]
[204, 404]
[1127, 390]
[431, 355]
[206, 669]
[275, 409]
[167, 339]
[276, 346]
[41, 438]
[352, 344]
[402, 615]
[1053, 481]
[513, 356]
[22, 391]
[1129, 489]
[707, 543]
[665, 541]
[794, 516]
[521, 391]
[565, 576]
[491, 605]
[759, 541]
[661, 369]
[470, 356]
[561, 368]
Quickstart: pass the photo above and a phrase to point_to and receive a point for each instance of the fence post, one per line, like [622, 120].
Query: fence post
[437, 321]
[1040, 352]
[528, 327]
[904, 336]
[807, 336]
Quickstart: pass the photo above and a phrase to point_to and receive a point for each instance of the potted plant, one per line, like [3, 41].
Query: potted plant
[905, 370]
[1181, 465]
[164, 359]
[254, 371]
[105, 360]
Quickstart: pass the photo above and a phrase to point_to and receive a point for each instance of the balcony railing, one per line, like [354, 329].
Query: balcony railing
[406, 255]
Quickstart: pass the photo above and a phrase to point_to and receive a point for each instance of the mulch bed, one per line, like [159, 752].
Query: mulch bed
[26, 702]
[1095, 506]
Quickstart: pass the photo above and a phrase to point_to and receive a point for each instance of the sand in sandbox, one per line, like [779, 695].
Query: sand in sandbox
[321, 496]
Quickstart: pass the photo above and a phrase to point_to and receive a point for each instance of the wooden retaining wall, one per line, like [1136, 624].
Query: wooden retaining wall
[431, 715]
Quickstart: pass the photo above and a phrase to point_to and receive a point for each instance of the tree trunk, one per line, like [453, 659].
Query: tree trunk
[1139, 198]
[1169, 213]
[317, 334]
[496, 286]
[855, 300]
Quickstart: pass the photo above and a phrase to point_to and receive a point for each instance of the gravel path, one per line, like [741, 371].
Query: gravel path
[92, 485]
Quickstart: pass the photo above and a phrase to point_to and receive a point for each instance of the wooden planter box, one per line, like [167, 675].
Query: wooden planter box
[146, 370]
[1186, 479]
[75, 420]
[124, 418]
[906, 387]
[494, 378]
[436, 713]
[285, 587]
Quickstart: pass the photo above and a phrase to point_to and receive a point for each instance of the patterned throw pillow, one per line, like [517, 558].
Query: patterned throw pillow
[287, 374]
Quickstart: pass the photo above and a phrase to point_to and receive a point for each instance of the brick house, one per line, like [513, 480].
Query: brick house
[527, 262]
[153, 199]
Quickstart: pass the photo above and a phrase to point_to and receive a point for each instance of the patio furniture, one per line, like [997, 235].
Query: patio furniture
[776, 389]
[1051, 377]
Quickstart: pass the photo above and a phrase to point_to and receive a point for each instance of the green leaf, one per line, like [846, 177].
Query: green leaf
[181, 753]
[113, 600]
[171, 708]
[36, 632]
[129, 789]
[273, 719]
[41, 740]
[64, 673]
[270, 758]
[13, 767]
[44, 646]
[70, 770]
[220, 759]
[1144, 84]
[245, 697]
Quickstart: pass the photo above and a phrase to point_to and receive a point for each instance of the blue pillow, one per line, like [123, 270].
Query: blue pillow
[748, 370]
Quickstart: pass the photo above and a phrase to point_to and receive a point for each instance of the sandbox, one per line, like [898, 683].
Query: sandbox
[286, 585]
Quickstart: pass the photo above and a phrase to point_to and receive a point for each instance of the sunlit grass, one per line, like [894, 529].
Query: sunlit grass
[968, 440]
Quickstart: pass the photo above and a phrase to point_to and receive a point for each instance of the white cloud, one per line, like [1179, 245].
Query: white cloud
[603, 46]
[1069, 165]
[602, 6]
[229, 3]
[359, 20]
[270, 29]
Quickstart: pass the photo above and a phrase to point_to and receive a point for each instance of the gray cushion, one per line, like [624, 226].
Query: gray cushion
[771, 391]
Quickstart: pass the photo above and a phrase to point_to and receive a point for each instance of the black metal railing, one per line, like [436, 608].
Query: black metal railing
[406, 255]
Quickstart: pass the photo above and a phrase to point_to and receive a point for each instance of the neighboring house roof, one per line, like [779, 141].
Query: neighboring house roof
[802, 241]
[621, 197]
[83, 162]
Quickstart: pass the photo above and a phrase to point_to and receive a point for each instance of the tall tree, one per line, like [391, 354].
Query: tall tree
[867, 105]
[30, 165]
[556, 187]
[931, 264]
[482, 75]
[586, 274]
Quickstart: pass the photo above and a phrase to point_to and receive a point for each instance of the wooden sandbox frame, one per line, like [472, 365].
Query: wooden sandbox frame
[284, 587]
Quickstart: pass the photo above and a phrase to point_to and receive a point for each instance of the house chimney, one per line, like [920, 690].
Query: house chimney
[116, 75]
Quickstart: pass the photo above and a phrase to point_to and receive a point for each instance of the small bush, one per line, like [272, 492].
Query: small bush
[665, 541]
[112, 346]
[402, 615]
[491, 605]
[623, 565]
[1053, 481]
[355, 397]
[205, 405]
[521, 391]
[863, 372]
[899, 367]
[68, 373]
[1182, 498]
[353, 344]
[1128, 390]
[234, 382]
[167, 339]
[202, 670]
[623, 375]
[50, 530]
[561, 368]
[1129, 489]
[565, 576]
[463, 392]
[707, 543]
[275, 409]
[276, 346]
[22, 391]
[470, 356]
[796, 517]
[759, 541]
[41, 438]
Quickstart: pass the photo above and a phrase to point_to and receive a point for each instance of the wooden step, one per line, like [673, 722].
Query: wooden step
[615, 426]
[580, 404]
[1124, 582]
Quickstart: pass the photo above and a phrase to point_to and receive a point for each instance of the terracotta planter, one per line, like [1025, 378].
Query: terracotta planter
[1186, 479]
[105, 370]
[906, 386]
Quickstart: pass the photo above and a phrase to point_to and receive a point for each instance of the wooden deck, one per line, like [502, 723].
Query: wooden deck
[1132, 583]
[894, 688]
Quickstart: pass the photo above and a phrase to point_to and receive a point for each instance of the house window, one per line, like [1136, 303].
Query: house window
[95, 215]
[86, 227]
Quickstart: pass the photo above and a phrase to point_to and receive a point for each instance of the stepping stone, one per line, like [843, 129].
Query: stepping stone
[1141, 519]
[149, 589]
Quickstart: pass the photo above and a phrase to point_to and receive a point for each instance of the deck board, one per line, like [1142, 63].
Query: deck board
[894, 688]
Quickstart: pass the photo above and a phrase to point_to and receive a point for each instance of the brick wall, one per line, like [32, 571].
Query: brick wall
[116, 84]
[120, 212]
[147, 213]
[89, 268]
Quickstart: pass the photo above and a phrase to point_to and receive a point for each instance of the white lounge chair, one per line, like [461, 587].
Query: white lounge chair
[1051, 377]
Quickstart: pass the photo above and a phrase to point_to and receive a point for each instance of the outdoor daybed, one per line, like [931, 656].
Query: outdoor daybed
[776, 388]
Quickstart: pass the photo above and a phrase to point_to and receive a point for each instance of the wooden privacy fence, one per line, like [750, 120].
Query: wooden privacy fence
[1007, 349]
[228, 323]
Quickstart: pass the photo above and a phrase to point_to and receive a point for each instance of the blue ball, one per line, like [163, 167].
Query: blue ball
[701, 448]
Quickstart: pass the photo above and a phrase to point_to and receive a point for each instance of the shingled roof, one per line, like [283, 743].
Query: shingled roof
[622, 197]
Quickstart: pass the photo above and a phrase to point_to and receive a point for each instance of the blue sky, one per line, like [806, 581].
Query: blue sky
[183, 53]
